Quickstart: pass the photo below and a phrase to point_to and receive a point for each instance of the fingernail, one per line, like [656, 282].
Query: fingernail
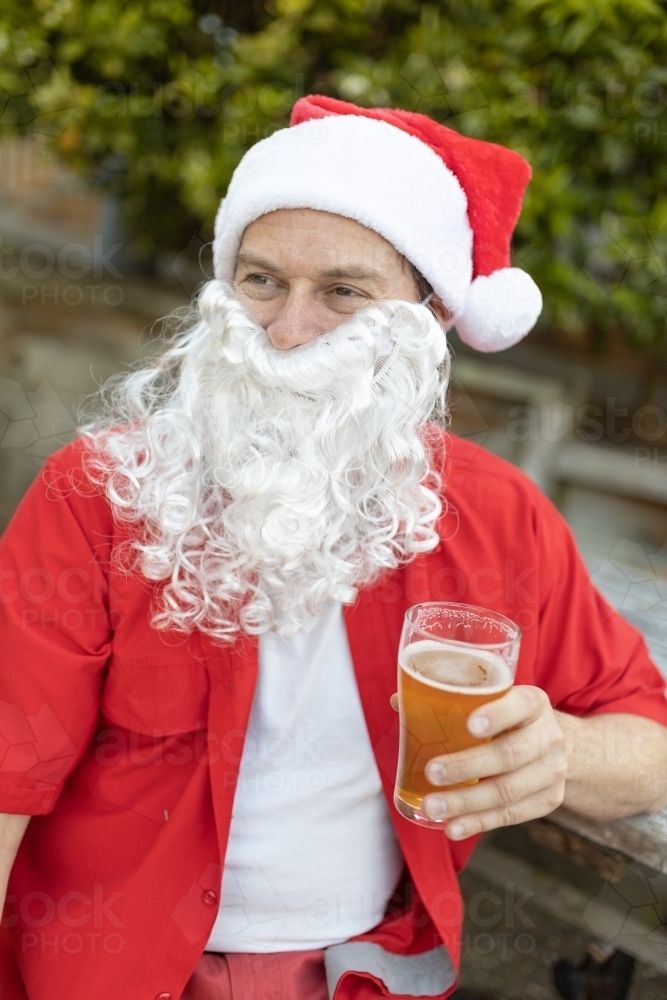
[479, 724]
[455, 831]
[437, 774]
[436, 808]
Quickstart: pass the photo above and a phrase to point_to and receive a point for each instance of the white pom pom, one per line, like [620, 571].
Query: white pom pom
[500, 309]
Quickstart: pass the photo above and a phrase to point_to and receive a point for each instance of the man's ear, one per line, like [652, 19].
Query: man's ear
[440, 311]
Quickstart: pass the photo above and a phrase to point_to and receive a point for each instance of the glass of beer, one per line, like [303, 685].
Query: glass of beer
[452, 658]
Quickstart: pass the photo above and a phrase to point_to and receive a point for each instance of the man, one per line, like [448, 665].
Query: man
[203, 599]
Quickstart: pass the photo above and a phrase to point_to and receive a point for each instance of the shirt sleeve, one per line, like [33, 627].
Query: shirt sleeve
[590, 659]
[54, 633]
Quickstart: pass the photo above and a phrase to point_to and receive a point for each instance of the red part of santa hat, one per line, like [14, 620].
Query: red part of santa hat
[493, 177]
[447, 202]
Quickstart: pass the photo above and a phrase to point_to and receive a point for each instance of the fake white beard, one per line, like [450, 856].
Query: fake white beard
[264, 483]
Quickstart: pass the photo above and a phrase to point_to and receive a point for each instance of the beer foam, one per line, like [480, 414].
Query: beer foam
[456, 668]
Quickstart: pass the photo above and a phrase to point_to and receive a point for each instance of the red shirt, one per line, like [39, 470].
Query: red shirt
[125, 742]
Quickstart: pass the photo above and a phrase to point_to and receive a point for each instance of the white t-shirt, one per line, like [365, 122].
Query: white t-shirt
[312, 858]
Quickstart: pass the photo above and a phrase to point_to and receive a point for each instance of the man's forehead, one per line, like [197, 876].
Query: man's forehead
[332, 244]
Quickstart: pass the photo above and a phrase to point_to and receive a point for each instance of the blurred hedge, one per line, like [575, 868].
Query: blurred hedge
[158, 101]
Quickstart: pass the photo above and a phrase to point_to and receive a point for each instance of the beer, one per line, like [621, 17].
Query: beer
[440, 684]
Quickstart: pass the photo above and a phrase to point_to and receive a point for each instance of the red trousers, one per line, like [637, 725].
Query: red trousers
[288, 975]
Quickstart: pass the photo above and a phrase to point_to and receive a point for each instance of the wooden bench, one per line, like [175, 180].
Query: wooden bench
[642, 838]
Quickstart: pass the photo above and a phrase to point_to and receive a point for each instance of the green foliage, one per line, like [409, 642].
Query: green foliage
[159, 99]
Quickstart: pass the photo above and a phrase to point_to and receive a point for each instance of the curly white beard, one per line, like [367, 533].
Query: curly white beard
[264, 483]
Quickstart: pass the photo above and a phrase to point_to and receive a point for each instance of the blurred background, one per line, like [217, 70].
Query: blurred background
[121, 124]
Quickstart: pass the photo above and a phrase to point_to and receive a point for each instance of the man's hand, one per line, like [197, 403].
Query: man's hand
[523, 768]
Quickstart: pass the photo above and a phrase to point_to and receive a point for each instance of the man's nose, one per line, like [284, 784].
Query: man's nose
[299, 321]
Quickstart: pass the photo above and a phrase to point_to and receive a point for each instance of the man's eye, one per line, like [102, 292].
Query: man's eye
[344, 292]
[258, 279]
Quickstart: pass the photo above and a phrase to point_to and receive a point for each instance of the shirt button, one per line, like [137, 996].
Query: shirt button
[209, 897]
[163, 996]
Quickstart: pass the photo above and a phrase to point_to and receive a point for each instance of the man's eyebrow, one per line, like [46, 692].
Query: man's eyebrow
[357, 273]
[352, 272]
[253, 260]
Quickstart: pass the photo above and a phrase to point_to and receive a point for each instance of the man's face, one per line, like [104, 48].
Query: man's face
[301, 273]
[282, 479]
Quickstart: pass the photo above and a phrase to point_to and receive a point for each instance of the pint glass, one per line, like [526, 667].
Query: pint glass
[451, 659]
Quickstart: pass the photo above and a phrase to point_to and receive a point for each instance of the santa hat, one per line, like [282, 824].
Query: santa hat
[448, 203]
